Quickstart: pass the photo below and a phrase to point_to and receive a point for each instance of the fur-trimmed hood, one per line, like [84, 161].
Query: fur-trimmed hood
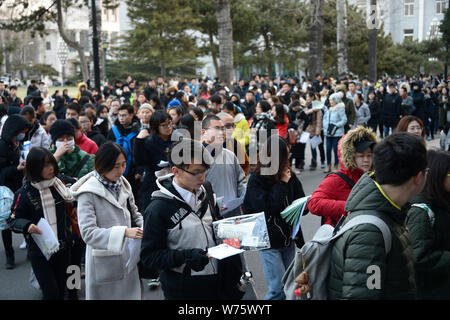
[346, 147]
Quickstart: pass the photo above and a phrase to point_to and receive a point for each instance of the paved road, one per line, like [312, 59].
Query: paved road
[14, 283]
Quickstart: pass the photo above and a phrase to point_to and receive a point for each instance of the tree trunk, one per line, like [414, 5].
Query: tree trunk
[73, 44]
[316, 38]
[268, 51]
[373, 33]
[225, 35]
[342, 42]
[213, 52]
[101, 59]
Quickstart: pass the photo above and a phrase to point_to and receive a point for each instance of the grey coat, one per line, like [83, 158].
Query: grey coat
[102, 221]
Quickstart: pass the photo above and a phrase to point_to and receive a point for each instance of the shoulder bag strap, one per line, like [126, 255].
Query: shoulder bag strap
[362, 219]
[80, 165]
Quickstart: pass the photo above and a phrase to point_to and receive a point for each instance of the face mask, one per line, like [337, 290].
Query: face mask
[70, 142]
[20, 136]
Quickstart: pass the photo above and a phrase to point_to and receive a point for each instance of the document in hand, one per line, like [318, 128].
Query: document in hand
[304, 137]
[134, 248]
[232, 204]
[223, 251]
[293, 213]
[250, 231]
[315, 141]
[47, 241]
[317, 105]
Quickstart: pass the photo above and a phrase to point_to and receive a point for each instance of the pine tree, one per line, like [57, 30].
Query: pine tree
[162, 33]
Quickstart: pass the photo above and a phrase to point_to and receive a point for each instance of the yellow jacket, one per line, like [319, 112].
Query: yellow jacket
[242, 131]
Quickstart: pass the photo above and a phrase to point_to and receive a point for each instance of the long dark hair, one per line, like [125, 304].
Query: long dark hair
[439, 164]
[36, 160]
[281, 113]
[282, 154]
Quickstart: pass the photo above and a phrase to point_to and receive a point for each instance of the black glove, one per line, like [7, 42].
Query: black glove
[196, 259]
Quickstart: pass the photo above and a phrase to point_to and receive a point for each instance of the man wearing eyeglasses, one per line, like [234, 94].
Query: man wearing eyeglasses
[225, 175]
[178, 228]
[231, 143]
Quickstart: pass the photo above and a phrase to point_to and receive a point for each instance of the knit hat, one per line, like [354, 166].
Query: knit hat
[336, 97]
[147, 106]
[61, 127]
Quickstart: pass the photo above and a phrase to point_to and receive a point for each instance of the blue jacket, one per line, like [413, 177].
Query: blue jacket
[335, 115]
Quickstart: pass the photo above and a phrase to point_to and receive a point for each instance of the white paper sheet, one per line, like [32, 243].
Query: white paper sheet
[134, 248]
[315, 141]
[47, 241]
[304, 137]
[317, 105]
[232, 204]
[163, 164]
[223, 251]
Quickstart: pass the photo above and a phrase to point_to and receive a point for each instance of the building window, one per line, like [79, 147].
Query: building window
[441, 6]
[409, 7]
[48, 45]
[408, 34]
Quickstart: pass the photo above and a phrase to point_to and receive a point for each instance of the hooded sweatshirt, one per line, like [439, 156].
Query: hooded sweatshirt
[10, 152]
[165, 232]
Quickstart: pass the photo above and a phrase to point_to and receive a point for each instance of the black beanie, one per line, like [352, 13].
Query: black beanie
[61, 127]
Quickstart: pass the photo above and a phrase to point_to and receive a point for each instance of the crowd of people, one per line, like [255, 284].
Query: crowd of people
[101, 168]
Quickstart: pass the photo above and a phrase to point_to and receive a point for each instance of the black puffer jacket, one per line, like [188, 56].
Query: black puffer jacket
[363, 246]
[431, 248]
[147, 154]
[273, 199]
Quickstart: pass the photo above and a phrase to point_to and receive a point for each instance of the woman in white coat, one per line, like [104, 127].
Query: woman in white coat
[109, 220]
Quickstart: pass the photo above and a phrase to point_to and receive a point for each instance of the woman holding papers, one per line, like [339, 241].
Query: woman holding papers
[270, 190]
[109, 223]
[44, 196]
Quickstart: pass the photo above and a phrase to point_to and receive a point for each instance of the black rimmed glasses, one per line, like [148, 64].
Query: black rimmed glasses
[195, 174]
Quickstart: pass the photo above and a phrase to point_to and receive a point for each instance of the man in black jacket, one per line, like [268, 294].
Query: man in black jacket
[392, 104]
[178, 229]
[11, 168]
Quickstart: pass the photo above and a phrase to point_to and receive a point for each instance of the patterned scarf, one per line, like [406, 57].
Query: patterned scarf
[48, 202]
[113, 187]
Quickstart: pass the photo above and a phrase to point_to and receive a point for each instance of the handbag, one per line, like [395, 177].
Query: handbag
[73, 215]
[331, 130]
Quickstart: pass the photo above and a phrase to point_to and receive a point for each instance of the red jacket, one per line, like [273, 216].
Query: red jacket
[329, 198]
[282, 128]
[86, 144]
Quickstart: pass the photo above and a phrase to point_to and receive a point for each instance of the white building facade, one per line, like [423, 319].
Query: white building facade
[413, 19]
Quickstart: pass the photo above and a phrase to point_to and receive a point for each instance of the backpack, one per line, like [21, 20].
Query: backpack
[315, 255]
[6, 201]
[408, 106]
[125, 143]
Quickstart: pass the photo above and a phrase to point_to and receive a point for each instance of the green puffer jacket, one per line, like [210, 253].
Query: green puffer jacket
[69, 161]
[363, 246]
[431, 249]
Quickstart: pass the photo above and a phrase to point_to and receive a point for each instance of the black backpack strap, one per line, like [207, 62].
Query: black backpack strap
[346, 178]
[210, 194]
[80, 165]
[349, 181]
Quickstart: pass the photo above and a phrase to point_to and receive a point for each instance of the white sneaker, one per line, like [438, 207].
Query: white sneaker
[23, 245]
[153, 284]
